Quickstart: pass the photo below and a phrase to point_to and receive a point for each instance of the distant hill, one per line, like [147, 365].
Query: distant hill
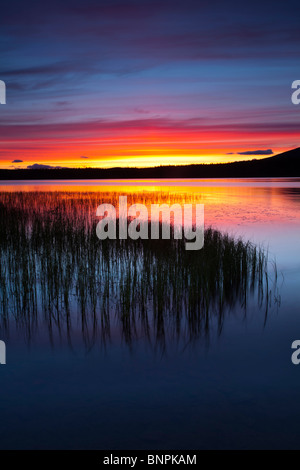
[284, 164]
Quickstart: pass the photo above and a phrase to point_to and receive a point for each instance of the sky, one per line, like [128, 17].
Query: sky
[145, 82]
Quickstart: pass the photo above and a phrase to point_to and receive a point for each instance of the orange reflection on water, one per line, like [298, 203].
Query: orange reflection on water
[227, 202]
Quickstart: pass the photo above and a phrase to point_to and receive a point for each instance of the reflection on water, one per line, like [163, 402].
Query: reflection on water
[86, 322]
[56, 275]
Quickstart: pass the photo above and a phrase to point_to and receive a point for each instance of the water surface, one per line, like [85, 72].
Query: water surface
[232, 386]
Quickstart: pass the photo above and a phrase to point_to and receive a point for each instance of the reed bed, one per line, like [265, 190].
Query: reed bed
[54, 271]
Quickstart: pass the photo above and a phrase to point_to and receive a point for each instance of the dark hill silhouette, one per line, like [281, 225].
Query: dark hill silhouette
[284, 164]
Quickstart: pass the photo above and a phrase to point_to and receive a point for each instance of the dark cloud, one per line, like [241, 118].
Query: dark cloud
[38, 70]
[83, 156]
[38, 166]
[17, 161]
[252, 152]
[257, 152]
[62, 103]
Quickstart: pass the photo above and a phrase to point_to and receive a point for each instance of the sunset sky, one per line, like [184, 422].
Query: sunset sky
[142, 83]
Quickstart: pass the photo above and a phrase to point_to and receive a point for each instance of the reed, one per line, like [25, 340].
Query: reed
[56, 272]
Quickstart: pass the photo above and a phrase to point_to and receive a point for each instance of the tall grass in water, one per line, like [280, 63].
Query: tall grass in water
[55, 272]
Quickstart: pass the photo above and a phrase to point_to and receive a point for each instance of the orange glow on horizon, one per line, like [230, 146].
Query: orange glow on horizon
[134, 161]
[130, 147]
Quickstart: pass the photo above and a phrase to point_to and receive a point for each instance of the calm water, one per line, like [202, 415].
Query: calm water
[231, 387]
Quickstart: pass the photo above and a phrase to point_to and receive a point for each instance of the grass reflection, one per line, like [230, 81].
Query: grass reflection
[56, 274]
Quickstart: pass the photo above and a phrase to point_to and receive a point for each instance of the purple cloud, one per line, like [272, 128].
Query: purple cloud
[38, 166]
[257, 152]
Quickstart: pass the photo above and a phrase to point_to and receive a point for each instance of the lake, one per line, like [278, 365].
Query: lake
[145, 346]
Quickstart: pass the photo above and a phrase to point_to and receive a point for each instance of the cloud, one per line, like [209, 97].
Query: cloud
[83, 156]
[38, 166]
[36, 70]
[257, 152]
[17, 161]
[252, 152]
